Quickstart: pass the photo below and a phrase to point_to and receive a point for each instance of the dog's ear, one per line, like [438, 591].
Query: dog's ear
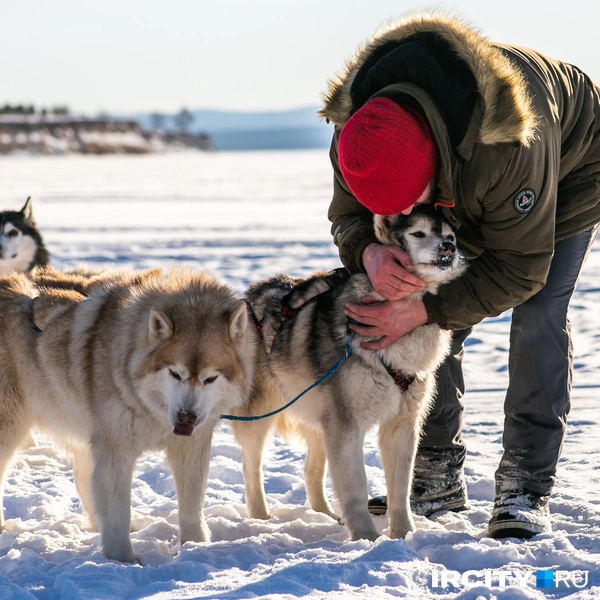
[306, 290]
[27, 211]
[238, 321]
[383, 228]
[51, 303]
[160, 326]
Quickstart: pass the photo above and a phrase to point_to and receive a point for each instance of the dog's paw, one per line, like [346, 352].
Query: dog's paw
[326, 510]
[371, 535]
[122, 555]
[398, 533]
[263, 514]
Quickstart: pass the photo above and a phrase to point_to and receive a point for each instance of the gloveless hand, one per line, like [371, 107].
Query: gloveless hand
[388, 268]
[388, 320]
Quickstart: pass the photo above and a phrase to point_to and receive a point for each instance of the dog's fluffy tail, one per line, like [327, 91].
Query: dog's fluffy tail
[290, 431]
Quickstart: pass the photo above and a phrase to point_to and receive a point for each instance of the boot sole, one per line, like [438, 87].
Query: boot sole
[514, 529]
[378, 510]
[457, 506]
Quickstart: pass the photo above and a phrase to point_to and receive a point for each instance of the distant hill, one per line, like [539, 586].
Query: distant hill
[69, 134]
[267, 130]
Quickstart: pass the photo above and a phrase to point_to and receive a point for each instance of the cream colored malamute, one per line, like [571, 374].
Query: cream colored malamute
[142, 361]
[391, 388]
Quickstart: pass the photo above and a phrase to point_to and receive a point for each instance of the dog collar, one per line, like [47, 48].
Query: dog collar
[401, 379]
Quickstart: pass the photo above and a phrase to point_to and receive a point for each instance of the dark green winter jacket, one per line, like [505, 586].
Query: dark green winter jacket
[518, 135]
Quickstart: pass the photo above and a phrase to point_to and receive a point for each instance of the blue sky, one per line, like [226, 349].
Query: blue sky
[135, 55]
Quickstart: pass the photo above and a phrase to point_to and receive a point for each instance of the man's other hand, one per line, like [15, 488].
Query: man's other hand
[389, 270]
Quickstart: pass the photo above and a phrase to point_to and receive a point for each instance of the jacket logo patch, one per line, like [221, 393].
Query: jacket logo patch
[524, 201]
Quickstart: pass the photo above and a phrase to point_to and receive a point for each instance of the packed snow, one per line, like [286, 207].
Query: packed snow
[247, 216]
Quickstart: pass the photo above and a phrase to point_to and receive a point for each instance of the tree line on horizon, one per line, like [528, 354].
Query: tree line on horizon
[29, 109]
[182, 120]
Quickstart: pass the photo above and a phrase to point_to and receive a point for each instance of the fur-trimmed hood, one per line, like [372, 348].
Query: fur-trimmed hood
[507, 112]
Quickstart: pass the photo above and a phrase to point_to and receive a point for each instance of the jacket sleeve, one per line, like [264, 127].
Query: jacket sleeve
[518, 245]
[352, 223]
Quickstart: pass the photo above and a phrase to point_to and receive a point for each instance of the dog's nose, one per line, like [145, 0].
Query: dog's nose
[184, 423]
[186, 419]
[447, 248]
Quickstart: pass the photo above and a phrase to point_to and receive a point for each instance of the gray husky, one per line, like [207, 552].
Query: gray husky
[21, 244]
[305, 332]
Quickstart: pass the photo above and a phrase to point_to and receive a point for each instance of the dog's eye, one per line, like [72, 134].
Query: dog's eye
[12, 233]
[174, 375]
[209, 380]
[418, 234]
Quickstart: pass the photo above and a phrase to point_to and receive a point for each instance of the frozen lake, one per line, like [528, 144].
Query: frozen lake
[246, 216]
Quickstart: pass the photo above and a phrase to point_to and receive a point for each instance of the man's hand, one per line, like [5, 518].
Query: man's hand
[390, 320]
[388, 268]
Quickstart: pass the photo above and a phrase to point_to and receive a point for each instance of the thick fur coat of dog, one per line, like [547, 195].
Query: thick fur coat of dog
[142, 361]
[391, 388]
[21, 245]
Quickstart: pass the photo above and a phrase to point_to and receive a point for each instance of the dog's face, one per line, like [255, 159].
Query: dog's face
[17, 244]
[195, 371]
[427, 238]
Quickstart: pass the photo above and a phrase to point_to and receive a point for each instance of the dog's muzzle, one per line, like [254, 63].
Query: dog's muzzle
[184, 424]
[446, 252]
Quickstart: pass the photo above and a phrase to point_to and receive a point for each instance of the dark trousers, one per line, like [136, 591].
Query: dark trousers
[540, 370]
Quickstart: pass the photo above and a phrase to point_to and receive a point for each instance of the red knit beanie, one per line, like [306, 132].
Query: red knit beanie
[387, 156]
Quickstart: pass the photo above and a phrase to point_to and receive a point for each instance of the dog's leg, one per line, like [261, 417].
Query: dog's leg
[398, 441]
[252, 437]
[13, 430]
[314, 472]
[189, 460]
[347, 471]
[82, 472]
[111, 487]
[29, 441]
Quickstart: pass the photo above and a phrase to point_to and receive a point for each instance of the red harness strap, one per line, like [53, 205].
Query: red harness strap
[255, 322]
[401, 379]
[287, 312]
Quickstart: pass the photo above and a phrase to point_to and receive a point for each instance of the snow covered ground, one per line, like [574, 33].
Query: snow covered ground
[245, 216]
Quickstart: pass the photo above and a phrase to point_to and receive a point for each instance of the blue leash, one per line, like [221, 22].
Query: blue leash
[338, 364]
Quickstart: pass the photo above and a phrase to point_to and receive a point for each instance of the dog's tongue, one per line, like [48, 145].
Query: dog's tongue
[186, 430]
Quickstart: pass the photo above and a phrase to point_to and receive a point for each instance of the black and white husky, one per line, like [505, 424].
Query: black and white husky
[391, 388]
[21, 245]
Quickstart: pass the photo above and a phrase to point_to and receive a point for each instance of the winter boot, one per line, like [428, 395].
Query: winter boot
[438, 483]
[519, 516]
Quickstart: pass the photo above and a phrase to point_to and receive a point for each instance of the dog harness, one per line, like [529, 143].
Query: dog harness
[287, 312]
[401, 379]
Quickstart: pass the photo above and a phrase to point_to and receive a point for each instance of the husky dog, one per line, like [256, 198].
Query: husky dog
[21, 245]
[391, 388]
[145, 361]
[82, 281]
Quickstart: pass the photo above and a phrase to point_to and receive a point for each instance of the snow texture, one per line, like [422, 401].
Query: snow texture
[246, 216]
